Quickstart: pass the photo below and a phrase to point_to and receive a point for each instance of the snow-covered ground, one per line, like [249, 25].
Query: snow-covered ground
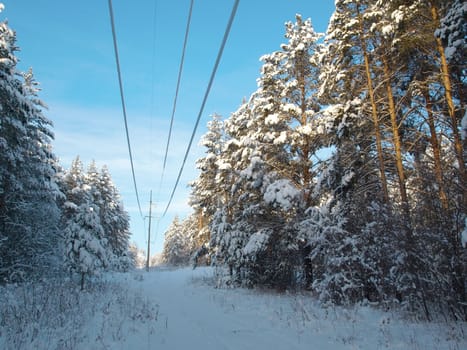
[182, 309]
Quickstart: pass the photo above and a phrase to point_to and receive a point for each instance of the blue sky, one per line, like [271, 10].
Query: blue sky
[69, 46]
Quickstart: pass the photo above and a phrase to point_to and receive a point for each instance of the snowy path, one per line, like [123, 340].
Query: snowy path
[195, 315]
[181, 309]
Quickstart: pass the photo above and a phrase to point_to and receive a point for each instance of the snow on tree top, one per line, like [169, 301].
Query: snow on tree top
[300, 47]
[305, 130]
[282, 193]
[256, 242]
[272, 119]
[281, 139]
[397, 15]
[290, 107]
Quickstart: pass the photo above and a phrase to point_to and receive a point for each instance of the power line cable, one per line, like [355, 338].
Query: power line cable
[152, 102]
[122, 97]
[179, 78]
[153, 79]
[208, 89]
[153, 55]
[174, 108]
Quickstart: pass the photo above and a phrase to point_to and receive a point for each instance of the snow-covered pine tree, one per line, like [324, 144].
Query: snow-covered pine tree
[347, 73]
[353, 181]
[453, 30]
[86, 250]
[71, 183]
[286, 106]
[176, 249]
[344, 231]
[206, 194]
[28, 213]
[203, 197]
[379, 74]
[226, 240]
[288, 113]
[86, 247]
[449, 19]
[422, 97]
[195, 239]
[114, 219]
[137, 255]
[270, 144]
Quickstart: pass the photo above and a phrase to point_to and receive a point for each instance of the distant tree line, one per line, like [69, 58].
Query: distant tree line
[185, 242]
[344, 172]
[50, 218]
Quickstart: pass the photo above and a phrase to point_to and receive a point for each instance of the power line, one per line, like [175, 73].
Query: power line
[153, 79]
[153, 61]
[152, 115]
[180, 70]
[178, 81]
[208, 89]
[120, 83]
[179, 78]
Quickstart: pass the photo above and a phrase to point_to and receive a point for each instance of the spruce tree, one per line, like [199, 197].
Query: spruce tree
[207, 194]
[86, 247]
[28, 213]
[269, 148]
[114, 219]
[176, 249]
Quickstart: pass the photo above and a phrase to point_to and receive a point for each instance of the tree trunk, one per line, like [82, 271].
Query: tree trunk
[451, 109]
[305, 150]
[396, 140]
[436, 152]
[82, 280]
[374, 113]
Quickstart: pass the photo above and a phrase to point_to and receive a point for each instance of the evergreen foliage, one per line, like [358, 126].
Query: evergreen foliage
[28, 191]
[95, 226]
[48, 217]
[177, 245]
[344, 173]
[186, 242]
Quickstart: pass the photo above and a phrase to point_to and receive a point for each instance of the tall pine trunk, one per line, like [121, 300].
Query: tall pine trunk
[82, 280]
[458, 146]
[438, 170]
[396, 140]
[305, 151]
[374, 114]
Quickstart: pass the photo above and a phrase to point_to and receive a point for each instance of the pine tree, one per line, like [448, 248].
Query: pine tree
[207, 194]
[176, 249]
[113, 217]
[138, 256]
[405, 99]
[271, 140]
[418, 75]
[289, 84]
[348, 73]
[382, 216]
[234, 157]
[28, 213]
[86, 248]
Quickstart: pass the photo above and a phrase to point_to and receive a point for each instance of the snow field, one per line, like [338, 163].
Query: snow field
[183, 309]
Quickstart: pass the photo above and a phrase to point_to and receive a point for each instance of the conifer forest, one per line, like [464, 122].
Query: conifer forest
[343, 175]
[344, 172]
[52, 219]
